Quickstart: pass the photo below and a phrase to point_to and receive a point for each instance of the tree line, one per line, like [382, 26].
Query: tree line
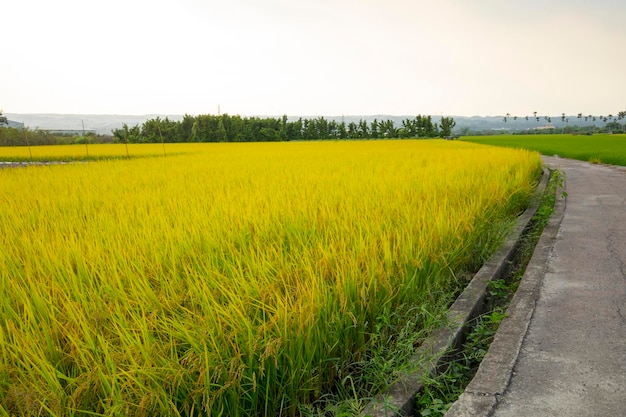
[582, 123]
[227, 128]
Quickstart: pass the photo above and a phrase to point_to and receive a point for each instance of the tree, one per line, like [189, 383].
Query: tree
[311, 130]
[410, 128]
[612, 127]
[352, 130]
[419, 125]
[294, 130]
[445, 126]
[127, 135]
[333, 129]
[387, 129]
[220, 132]
[323, 128]
[620, 116]
[185, 128]
[283, 127]
[343, 133]
[430, 129]
[364, 131]
[374, 129]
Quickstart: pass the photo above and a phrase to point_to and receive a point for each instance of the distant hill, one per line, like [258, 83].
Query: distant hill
[102, 123]
[105, 123]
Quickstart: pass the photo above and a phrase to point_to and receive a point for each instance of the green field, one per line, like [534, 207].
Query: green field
[604, 148]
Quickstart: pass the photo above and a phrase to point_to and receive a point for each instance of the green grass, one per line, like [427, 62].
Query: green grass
[603, 148]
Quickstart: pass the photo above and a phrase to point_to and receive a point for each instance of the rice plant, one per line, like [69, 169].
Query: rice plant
[234, 279]
[88, 152]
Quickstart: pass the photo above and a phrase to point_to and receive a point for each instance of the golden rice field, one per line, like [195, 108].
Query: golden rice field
[87, 152]
[233, 279]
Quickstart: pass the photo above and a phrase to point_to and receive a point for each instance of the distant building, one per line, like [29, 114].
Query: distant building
[546, 127]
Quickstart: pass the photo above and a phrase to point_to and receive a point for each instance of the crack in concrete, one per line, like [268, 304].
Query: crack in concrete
[621, 316]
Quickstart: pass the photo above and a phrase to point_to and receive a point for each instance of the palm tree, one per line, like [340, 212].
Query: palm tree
[621, 115]
[526, 122]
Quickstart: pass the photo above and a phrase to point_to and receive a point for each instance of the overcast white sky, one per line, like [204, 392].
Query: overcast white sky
[313, 57]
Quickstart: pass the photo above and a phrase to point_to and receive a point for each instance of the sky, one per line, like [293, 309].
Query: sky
[313, 57]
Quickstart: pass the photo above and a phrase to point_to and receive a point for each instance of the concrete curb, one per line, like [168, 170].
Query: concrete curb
[399, 399]
[481, 396]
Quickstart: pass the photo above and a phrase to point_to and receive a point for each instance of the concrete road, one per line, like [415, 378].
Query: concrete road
[573, 358]
[562, 351]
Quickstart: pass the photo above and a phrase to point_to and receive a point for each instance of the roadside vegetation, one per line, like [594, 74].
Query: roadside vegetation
[600, 148]
[239, 279]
